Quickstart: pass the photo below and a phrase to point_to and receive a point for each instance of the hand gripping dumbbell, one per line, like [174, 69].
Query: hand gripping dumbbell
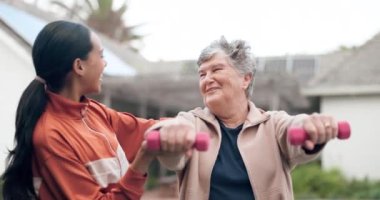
[201, 141]
[297, 135]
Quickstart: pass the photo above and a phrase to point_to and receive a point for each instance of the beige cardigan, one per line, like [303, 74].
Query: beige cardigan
[263, 145]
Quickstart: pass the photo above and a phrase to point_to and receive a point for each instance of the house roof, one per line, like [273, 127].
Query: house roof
[349, 73]
[181, 91]
[27, 26]
[169, 84]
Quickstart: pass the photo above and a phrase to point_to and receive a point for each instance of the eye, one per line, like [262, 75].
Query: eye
[201, 75]
[217, 69]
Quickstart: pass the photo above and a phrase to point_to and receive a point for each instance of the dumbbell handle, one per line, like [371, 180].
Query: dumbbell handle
[297, 135]
[201, 141]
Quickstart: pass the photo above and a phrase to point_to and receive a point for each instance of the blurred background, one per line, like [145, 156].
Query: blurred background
[312, 56]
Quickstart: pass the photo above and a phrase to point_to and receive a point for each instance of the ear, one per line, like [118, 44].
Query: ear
[247, 79]
[78, 67]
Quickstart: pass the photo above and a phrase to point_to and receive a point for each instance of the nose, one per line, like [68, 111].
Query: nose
[208, 77]
[206, 80]
[105, 63]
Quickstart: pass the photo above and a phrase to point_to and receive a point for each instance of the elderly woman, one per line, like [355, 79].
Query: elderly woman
[249, 156]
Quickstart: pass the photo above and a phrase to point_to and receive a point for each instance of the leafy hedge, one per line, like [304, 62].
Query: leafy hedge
[310, 181]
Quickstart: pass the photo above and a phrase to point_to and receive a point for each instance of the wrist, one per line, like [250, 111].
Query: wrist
[141, 163]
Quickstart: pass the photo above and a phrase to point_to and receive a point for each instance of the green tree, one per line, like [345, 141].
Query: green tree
[100, 15]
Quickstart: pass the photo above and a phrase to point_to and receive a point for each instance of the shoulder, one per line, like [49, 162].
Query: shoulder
[194, 113]
[46, 125]
[202, 112]
[95, 105]
[49, 137]
[276, 113]
[101, 111]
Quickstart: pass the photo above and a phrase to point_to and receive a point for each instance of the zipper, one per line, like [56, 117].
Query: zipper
[109, 143]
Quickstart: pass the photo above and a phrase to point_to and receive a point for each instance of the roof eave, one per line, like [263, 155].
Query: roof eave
[341, 90]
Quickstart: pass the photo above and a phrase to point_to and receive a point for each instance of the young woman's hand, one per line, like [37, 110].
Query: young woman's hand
[143, 159]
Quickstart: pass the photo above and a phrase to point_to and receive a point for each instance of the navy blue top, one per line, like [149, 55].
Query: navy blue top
[229, 178]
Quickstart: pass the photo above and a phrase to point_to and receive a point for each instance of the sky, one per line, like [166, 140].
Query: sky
[180, 29]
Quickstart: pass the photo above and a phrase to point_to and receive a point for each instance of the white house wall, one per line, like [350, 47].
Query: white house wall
[359, 156]
[16, 73]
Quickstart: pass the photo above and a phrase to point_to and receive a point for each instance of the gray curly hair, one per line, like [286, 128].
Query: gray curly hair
[238, 51]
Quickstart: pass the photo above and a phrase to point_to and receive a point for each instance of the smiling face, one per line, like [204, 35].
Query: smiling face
[93, 67]
[220, 83]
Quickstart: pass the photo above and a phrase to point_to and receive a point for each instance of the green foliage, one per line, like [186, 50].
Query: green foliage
[153, 175]
[101, 16]
[310, 182]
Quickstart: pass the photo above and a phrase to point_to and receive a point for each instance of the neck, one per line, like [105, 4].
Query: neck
[71, 92]
[233, 114]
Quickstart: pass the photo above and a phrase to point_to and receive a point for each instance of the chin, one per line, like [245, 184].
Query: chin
[95, 90]
[209, 102]
[98, 90]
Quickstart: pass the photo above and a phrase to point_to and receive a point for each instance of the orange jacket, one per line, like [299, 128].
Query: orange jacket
[82, 151]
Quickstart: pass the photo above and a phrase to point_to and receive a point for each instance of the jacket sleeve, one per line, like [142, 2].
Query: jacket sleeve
[129, 131]
[173, 162]
[69, 179]
[293, 154]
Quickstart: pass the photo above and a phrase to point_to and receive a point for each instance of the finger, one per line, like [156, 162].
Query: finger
[190, 139]
[318, 121]
[145, 150]
[180, 140]
[334, 128]
[185, 137]
[164, 139]
[311, 130]
[171, 140]
[328, 124]
[144, 146]
[175, 138]
[309, 145]
[189, 153]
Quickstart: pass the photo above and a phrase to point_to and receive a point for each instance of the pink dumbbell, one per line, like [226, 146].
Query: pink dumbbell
[297, 136]
[201, 141]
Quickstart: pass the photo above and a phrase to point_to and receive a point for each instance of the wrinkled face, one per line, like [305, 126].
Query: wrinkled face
[94, 65]
[219, 82]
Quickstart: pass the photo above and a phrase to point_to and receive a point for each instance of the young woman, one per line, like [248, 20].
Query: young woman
[66, 145]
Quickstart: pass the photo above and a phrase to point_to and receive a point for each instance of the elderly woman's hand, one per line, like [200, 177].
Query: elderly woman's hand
[320, 128]
[177, 136]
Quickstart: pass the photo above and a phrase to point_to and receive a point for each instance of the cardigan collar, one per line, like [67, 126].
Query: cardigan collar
[255, 115]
